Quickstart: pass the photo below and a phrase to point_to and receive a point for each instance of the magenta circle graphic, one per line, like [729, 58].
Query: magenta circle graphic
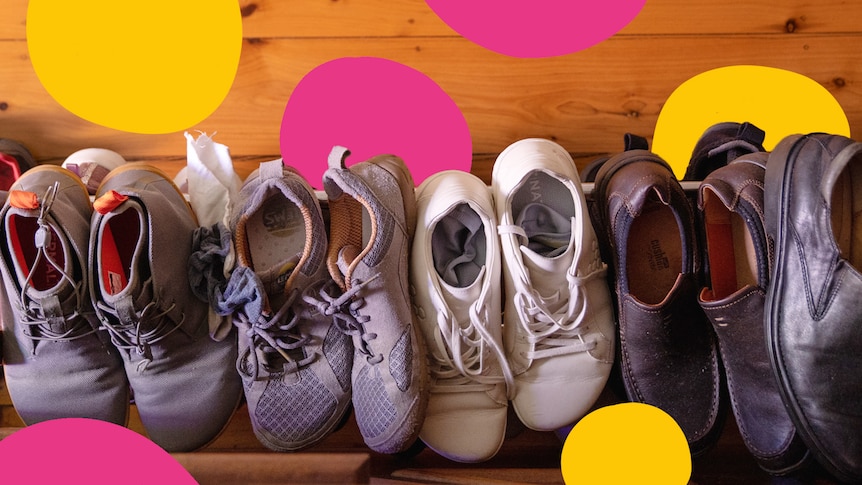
[78, 450]
[544, 28]
[373, 106]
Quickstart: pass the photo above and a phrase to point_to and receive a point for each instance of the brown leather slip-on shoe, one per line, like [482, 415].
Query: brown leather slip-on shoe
[668, 352]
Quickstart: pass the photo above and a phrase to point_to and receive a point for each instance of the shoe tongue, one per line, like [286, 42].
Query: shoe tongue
[459, 299]
[547, 275]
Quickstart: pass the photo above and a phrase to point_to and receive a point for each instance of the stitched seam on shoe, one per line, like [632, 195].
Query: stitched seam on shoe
[730, 381]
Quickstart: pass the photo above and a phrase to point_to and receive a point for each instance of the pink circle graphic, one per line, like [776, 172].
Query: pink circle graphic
[77, 450]
[373, 106]
[545, 28]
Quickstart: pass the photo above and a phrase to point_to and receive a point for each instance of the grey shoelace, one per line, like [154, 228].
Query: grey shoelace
[345, 311]
[38, 327]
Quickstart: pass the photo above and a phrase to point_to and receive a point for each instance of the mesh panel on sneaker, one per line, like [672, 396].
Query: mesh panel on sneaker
[275, 410]
[400, 360]
[374, 411]
[338, 349]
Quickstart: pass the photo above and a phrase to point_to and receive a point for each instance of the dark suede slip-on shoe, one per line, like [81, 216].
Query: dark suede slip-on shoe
[740, 257]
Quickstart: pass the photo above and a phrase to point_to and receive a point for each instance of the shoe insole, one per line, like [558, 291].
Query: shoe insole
[275, 236]
[544, 207]
[22, 238]
[458, 246]
[730, 249]
[119, 241]
[653, 254]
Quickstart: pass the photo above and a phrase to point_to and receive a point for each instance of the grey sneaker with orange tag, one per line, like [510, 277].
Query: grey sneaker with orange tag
[56, 363]
[184, 384]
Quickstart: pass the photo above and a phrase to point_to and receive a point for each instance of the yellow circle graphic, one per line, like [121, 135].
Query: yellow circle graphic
[626, 443]
[142, 66]
[777, 101]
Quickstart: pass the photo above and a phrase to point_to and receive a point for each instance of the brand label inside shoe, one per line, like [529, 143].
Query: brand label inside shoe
[115, 282]
[276, 280]
[280, 221]
[535, 190]
[657, 257]
[285, 273]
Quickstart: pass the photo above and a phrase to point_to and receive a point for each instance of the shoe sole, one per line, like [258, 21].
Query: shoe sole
[401, 173]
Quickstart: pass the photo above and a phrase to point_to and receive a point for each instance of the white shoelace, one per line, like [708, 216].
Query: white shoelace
[462, 349]
[552, 324]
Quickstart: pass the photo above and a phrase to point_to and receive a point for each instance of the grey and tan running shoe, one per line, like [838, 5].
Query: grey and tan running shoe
[294, 363]
[56, 363]
[184, 383]
[372, 208]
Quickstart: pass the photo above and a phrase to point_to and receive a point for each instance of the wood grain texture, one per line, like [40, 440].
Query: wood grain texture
[385, 18]
[586, 101]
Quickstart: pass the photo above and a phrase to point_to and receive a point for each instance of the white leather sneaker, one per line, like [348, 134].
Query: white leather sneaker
[455, 280]
[558, 316]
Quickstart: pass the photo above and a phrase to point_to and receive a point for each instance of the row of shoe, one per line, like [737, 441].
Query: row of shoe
[96, 308]
[746, 293]
[511, 300]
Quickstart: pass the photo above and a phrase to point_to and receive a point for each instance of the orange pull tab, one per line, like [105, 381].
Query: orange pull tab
[109, 201]
[22, 199]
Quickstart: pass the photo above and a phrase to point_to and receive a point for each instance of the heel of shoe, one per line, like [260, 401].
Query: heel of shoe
[399, 171]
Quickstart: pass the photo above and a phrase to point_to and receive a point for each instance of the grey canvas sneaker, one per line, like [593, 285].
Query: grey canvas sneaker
[294, 363]
[56, 363]
[372, 208]
[184, 383]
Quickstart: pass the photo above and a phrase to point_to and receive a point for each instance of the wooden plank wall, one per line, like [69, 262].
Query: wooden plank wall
[585, 100]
